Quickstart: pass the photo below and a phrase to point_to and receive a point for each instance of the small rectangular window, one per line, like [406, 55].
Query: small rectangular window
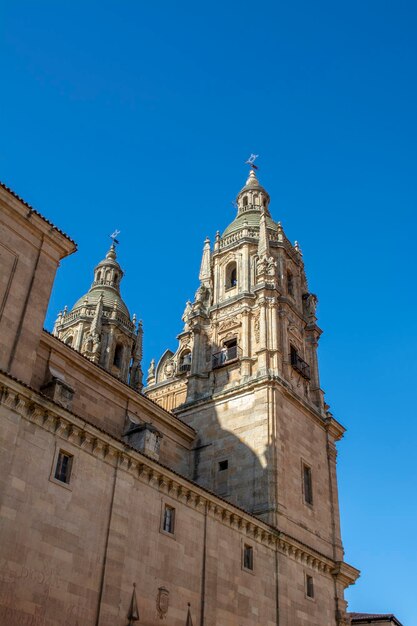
[309, 586]
[222, 478]
[168, 522]
[308, 485]
[248, 557]
[63, 467]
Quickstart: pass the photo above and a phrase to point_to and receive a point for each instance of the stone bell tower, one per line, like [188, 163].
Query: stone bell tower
[245, 376]
[99, 325]
[249, 344]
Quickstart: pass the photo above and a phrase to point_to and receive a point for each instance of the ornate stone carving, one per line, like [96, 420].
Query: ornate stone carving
[309, 304]
[162, 602]
[169, 369]
[229, 323]
[256, 326]
[151, 373]
[186, 315]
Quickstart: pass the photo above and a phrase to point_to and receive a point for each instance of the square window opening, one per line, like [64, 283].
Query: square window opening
[309, 586]
[223, 465]
[308, 484]
[168, 522]
[248, 557]
[63, 467]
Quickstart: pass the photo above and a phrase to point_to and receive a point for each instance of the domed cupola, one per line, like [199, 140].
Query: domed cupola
[99, 324]
[107, 277]
[252, 200]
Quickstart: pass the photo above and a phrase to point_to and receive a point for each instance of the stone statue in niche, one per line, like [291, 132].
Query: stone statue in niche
[201, 299]
[310, 304]
[162, 602]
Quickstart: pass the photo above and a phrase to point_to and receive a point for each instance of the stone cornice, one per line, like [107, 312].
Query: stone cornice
[335, 429]
[39, 410]
[345, 574]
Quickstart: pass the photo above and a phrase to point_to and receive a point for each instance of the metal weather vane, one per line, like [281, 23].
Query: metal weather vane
[115, 234]
[251, 161]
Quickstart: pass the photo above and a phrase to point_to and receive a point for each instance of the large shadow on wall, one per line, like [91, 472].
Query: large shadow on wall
[232, 454]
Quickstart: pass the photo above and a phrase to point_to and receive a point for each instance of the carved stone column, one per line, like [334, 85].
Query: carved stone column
[245, 358]
[263, 337]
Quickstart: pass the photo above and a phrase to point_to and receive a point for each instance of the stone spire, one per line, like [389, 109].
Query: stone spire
[205, 270]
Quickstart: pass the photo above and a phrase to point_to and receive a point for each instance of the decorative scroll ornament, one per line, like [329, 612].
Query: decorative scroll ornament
[162, 602]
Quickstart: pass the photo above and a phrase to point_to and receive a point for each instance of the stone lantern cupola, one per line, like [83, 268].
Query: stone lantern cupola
[99, 325]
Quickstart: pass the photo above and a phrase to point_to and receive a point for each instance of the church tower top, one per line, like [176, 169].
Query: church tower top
[107, 277]
[252, 200]
[100, 327]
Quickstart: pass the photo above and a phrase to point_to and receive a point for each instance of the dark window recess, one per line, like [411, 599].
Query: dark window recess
[309, 586]
[63, 467]
[223, 465]
[299, 364]
[308, 484]
[231, 275]
[229, 352]
[169, 519]
[248, 557]
[290, 284]
[233, 278]
[118, 355]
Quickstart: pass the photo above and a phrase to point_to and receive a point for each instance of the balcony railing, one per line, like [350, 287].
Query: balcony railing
[184, 367]
[225, 356]
[300, 365]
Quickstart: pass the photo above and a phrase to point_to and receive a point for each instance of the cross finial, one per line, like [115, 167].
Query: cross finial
[114, 235]
[251, 161]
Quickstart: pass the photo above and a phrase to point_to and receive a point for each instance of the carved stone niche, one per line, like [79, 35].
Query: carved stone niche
[58, 389]
[144, 438]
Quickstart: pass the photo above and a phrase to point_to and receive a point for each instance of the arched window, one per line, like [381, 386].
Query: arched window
[98, 276]
[256, 199]
[116, 277]
[290, 284]
[231, 275]
[69, 340]
[185, 361]
[245, 201]
[118, 355]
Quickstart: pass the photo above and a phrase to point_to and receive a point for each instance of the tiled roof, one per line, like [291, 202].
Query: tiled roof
[32, 210]
[363, 618]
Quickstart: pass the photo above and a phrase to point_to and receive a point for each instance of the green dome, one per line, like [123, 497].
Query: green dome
[252, 218]
[109, 296]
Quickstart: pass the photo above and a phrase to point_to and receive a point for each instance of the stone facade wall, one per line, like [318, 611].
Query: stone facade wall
[30, 251]
[266, 438]
[106, 402]
[70, 553]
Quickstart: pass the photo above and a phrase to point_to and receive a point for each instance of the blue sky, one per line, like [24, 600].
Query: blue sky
[139, 115]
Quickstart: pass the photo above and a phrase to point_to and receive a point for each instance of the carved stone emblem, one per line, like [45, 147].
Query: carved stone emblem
[162, 602]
